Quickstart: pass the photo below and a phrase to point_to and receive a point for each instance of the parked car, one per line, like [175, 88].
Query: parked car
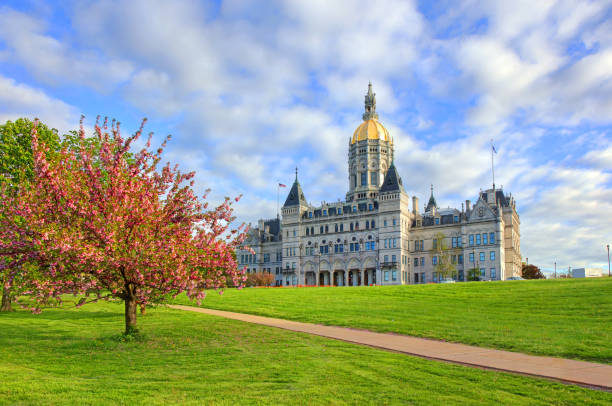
[447, 281]
[516, 278]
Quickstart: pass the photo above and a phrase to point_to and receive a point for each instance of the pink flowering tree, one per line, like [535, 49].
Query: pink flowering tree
[105, 222]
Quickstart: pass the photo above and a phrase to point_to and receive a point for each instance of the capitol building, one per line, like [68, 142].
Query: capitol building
[380, 235]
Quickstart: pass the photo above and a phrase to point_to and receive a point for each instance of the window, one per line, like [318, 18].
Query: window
[435, 244]
[437, 220]
[385, 223]
[394, 275]
[336, 228]
[482, 273]
[373, 178]
[493, 276]
[294, 233]
[354, 209]
[477, 239]
[471, 257]
[311, 230]
[386, 258]
[434, 260]
[453, 259]
[356, 225]
[416, 278]
[321, 230]
[351, 226]
[364, 179]
[492, 255]
[373, 245]
[326, 229]
[491, 238]
[307, 231]
[422, 261]
[309, 214]
[370, 207]
[454, 242]
[422, 243]
[416, 262]
[471, 239]
[386, 275]
[460, 259]
[484, 239]
[435, 277]
[266, 257]
[372, 224]
[385, 243]
[325, 212]
[394, 222]
[393, 258]
[482, 256]
[341, 227]
[395, 243]
[367, 224]
[459, 242]
[339, 210]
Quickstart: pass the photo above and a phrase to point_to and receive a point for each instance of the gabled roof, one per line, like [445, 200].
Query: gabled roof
[392, 182]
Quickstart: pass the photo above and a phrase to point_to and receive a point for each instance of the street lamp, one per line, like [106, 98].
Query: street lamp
[608, 247]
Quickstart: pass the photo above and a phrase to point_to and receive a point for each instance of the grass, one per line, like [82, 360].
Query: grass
[74, 356]
[563, 318]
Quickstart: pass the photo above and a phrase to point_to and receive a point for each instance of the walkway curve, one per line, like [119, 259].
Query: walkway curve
[588, 374]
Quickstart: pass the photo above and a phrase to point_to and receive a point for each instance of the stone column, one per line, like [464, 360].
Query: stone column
[362, 274]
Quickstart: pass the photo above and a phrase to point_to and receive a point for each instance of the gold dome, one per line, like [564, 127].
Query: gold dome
[370, 130]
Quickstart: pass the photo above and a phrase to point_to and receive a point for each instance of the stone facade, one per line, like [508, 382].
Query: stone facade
[378, 235]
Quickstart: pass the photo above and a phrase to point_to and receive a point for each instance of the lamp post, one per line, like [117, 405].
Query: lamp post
[608, 247]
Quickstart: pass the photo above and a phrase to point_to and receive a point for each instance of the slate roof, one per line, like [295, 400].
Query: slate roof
[295, 195]
[392, 182]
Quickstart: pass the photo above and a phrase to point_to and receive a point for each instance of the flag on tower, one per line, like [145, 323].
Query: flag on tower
[494, 150]
[281, 185]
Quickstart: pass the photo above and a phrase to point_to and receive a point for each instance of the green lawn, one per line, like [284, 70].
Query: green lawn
[563, 318]
[72, 357]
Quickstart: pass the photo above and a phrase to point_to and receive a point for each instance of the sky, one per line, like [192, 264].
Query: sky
[250, 90]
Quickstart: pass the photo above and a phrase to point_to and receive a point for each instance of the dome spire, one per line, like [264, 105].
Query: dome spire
[370, 105]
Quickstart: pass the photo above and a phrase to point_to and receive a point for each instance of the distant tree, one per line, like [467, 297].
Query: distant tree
[260, 279]
[16, 172]
[473, 274]
[531, 272]
[101, 221]
[444, 265]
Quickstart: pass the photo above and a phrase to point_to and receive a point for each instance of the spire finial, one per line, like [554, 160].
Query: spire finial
[370, 104]
[432, 189]
[296, 174]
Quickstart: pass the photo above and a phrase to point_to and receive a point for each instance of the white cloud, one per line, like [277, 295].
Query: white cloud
[20, 100]
[50, 59]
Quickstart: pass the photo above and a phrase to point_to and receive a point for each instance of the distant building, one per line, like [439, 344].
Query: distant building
[586, 272]
[374, 237]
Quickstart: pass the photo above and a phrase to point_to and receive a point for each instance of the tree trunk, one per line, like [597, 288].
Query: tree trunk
[130, 315]
[143, 309]
[6, 300]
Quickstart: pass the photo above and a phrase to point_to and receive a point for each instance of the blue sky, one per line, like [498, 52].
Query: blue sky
[249, 90]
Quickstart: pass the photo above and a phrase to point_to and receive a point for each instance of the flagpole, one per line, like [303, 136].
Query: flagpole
[277, 193]
[492, 164]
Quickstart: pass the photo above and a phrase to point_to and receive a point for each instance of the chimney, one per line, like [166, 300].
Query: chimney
[415, 205]
[467, 206]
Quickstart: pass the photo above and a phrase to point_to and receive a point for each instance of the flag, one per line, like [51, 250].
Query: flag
[494, 150]
[281, 185]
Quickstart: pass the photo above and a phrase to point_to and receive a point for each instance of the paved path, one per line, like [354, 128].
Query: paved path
[597, 376]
